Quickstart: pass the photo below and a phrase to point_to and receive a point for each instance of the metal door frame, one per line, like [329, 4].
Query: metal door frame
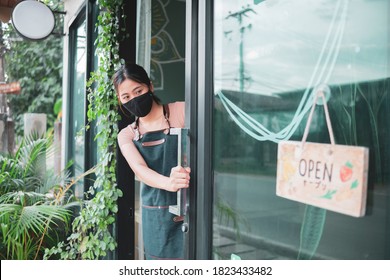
[199, 108]
[199, 111]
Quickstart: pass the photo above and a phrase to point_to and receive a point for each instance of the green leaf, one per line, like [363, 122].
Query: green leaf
[355, 184]
[57, 106]
[329, 194]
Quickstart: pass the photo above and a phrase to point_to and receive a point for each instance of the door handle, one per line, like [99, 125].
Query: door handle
[180, 208]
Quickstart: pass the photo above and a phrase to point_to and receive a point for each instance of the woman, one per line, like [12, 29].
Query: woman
[151, 153]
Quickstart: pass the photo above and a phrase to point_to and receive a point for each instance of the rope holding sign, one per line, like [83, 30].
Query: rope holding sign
[319, 94]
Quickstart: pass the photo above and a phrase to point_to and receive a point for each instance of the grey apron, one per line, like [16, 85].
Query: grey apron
[162, 236]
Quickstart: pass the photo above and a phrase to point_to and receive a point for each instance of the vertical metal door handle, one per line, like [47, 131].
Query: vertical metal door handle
[180, 208]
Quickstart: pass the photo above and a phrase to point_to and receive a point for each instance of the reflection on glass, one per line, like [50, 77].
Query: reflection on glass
[268, 57]
[78, 106]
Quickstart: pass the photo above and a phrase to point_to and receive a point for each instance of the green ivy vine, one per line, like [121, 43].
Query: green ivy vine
[91, 236]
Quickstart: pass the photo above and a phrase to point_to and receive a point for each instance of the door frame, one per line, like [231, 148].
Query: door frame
[125, 226]
[199, 112]
[199, 108]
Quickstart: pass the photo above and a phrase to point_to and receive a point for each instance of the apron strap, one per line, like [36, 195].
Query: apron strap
[166, 115]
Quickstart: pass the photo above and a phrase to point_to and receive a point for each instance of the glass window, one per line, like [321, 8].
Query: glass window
[269, 57]
[160, 46]
[77, 99]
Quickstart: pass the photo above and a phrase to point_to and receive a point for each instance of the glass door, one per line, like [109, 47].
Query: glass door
[268, 56]
[161, 51]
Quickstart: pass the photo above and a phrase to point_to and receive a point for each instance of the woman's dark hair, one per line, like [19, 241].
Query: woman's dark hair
[134, 72]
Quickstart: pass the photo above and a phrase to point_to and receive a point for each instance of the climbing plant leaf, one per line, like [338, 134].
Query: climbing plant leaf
[311, 231]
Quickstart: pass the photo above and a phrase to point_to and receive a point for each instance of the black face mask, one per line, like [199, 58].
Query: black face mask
[141, 105]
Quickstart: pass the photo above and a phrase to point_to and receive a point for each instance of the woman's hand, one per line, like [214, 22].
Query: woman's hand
[179, 178]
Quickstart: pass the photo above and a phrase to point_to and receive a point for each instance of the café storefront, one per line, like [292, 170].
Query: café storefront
[248, 71]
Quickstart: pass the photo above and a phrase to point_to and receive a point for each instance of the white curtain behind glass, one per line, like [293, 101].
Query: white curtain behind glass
[144, 23]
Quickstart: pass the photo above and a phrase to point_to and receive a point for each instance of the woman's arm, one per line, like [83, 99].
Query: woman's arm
[178, 179]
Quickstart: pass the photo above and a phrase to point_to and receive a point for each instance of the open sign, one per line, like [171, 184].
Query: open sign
[329, 176]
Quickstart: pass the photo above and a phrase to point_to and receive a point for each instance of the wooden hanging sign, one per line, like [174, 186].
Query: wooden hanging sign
[328, 176]
[11, 88]
[333, 177]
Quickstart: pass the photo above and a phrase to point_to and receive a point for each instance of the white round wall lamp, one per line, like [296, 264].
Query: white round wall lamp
[33, 20]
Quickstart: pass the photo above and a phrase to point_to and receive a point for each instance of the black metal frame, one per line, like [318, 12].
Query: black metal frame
[191, 121]
[202, 116]
[89, 144]
[125, 226]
